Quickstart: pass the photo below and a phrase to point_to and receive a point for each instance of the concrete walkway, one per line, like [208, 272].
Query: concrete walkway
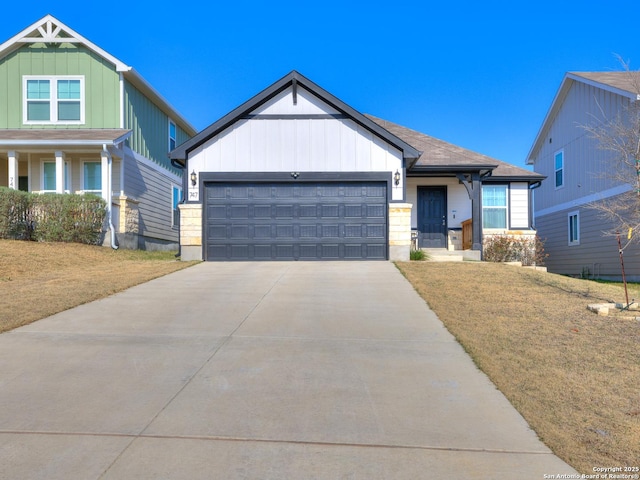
[257, 371]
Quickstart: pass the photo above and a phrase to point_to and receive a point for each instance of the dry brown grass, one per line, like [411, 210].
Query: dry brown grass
[40, 279]
[574, 376]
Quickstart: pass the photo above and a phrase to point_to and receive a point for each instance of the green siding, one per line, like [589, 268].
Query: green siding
[150, 127]
[101, 83]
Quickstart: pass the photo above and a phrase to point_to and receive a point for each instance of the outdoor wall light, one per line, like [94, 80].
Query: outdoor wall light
[396, 178]
[194, 178]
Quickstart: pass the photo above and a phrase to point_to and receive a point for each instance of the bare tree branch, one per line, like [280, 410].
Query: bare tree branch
[620, 137]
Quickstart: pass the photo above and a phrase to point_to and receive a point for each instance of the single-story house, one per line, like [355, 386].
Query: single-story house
[295, 173]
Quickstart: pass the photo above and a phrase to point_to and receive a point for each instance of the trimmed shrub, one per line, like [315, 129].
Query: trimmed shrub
[52, 217]
[507, 248]
[16, 220]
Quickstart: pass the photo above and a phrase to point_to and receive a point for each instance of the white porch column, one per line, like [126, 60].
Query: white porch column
[60, 178]
[13, 169]
[105, 156]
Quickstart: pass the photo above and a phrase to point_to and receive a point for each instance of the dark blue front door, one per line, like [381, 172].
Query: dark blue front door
[432, 217]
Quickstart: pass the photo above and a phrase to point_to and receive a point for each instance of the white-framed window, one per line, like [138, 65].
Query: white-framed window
[176, 198]
[573, 228]
[172, 136]
[494, 206]
[48, 175]
[53, 99]
[92, 176]
[558, 165]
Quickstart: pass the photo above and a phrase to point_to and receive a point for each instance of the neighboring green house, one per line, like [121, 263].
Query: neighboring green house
[73, 118]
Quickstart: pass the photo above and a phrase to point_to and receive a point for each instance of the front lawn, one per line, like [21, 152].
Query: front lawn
[573, 375]
[39, 279]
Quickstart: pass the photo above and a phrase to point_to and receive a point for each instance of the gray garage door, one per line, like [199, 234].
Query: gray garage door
[296, 221]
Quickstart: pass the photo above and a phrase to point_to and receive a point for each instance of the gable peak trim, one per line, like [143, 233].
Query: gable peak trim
[50, 30]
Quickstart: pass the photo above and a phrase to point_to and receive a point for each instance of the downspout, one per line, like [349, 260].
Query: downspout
[181, 167]
[532, 187]
[109, 199]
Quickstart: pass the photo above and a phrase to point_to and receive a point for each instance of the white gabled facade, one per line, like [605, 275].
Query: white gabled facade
[305, 135]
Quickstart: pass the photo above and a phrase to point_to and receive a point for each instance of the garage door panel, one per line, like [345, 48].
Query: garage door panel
[375, 231]
[330, 231]
[284, 211]
[306, 221]
[330, 211]
[238, 212]
[240, 232]
[262, 211]
[376, 211]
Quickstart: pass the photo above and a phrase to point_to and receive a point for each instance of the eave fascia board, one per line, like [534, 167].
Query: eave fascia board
[181, 151]
[604, 86]
[453, 169]
[566, 84]
[409, 152]
[567, 81]
[145, 87]
[516, 178]
[267, 94]
[66, 143]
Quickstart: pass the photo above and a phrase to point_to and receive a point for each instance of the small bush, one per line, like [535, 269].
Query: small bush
[416, 255]
[508, 248]
[51, 217]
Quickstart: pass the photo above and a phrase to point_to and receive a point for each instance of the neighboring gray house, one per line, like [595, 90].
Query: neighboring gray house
[73, 118]
[296, 174]
[570, 157]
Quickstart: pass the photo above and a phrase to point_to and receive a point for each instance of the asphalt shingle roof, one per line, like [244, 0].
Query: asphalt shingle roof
[438, 153]
[623, 80]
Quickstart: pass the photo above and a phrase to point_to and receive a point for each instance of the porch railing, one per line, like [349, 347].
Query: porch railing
[467, 234]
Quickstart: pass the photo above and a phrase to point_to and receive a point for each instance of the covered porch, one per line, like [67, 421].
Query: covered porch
[68, 161]
[460, 197]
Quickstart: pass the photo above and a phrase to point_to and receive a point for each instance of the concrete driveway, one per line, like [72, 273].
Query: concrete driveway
[256, 370]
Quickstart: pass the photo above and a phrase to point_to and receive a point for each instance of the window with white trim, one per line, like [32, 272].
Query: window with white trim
[172, 136]
[494, 206]
[92, 177]
[574, 228]
[558, 160]
[53, 100]
[176, 199]
[49, 176]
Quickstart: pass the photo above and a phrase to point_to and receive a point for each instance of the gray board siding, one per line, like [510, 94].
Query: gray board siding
[154, 192]
[597, 254]
[584, 162]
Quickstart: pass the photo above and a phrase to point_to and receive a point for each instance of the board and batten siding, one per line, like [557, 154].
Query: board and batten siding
[100, 79]
[150, 127]
[597, 253]
[519, 205]
[309, 136]
[584, 162]
[152, 188]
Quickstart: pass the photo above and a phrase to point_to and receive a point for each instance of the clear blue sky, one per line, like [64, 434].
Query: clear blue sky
[481, 75]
